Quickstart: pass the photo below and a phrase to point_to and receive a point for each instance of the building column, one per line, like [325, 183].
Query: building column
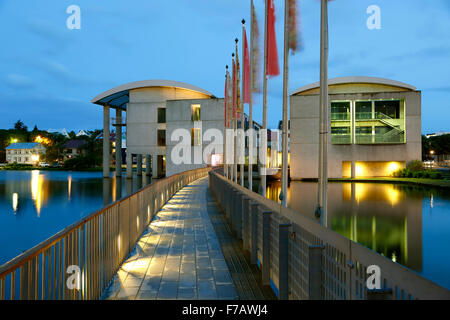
[129, 164]
[139, 165]
[106, 142]
[155, 166]
[147, 164]
[118, 142]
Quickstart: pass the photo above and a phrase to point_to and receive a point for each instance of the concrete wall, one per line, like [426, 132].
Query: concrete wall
[305, 134]
[178, 116]
[142, 116]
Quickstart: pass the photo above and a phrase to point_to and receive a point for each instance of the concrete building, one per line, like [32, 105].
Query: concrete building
[374, 128]
[154, 110]
[24, 153]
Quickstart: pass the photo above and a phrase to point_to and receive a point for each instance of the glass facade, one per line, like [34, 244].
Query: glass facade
[368, 122]
[341, 122]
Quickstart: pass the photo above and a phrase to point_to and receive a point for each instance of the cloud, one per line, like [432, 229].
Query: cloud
[46, 31]
[18, 81]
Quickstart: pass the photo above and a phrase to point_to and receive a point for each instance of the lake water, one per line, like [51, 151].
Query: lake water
[34, 205]
[408, 224]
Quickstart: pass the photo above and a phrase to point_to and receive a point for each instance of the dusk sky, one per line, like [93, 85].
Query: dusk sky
[49, 74]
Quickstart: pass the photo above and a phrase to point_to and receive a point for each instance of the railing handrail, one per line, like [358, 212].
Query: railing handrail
[31, 253]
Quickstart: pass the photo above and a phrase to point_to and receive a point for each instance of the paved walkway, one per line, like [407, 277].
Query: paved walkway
[179, 255]
[246, 277]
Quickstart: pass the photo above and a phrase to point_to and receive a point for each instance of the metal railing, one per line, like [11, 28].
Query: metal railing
[95, 246]
[301, 259]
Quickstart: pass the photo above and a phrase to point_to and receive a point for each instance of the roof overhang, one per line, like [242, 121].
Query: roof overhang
[354, 80]
[118, 97]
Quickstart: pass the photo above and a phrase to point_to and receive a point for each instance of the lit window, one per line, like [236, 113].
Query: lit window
[341, 123]
[195, 137]
[195, 112]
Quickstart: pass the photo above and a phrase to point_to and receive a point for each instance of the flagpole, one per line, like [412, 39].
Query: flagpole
[321, 211]
[233, 142]
[225, 165]
[235, 115]
[242, 150]
[263, 135]
[250, 106]
[284, 167]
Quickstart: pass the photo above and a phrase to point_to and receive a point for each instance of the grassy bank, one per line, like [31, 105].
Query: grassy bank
[442, 183]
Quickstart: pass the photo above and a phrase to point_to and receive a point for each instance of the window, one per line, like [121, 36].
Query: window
[340, 130]
[195, 112]
[363, 130]
[196, 137]
[340, 122]
[374, 122]
[387, 109]
[161, 138]
[161, 115]
[363, 110]
[340, 111]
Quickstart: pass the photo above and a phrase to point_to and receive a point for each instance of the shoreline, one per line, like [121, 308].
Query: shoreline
[440, 183]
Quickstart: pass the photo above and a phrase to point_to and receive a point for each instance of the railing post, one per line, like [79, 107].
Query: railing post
[283, 261]
[227, 200]
[265, 263]
[315, 272]
[245, 222]
[239, 214]
[254, 232]
[233, 209]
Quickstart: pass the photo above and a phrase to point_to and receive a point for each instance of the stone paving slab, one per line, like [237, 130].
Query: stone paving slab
[178, 256]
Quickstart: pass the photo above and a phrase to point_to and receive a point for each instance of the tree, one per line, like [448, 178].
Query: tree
[35, 129]
[20, 126]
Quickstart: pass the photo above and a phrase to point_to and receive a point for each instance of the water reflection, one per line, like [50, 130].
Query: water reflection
[36, 204]
[388, 218]
[38, 192]
[15, 201]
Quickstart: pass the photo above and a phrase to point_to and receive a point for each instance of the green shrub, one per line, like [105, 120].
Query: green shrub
[414, 165]
[17, 166]
[436, 175]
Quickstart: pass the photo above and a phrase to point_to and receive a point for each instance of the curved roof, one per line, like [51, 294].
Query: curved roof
[119, 96]
[349, 80]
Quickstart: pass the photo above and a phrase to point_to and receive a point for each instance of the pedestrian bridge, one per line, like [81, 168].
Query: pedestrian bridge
[198, 235]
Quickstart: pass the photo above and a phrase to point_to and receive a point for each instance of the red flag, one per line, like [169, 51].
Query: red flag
[246, 70]
[256, 87]
[292, 38]
[273, 68]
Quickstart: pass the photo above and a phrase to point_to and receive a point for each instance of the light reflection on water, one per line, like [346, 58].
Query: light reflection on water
[34, 205]
[406, 223]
